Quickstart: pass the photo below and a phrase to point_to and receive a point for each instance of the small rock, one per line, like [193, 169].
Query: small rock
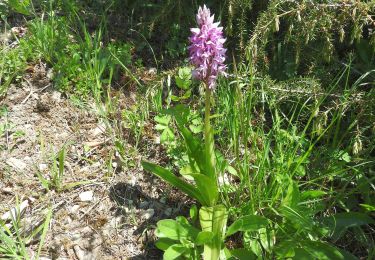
[16, 211]
[114, 165]
[86, 196]
[56, 96]
[152, 71]
[116, 221]
[148, 214]
[133, 181]
[7, 190]
[50, 74]
[75, 209]
[43, 167]
[16, 163]
[100, 129]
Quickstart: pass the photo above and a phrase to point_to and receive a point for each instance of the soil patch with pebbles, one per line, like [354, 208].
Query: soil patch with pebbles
[94, 215]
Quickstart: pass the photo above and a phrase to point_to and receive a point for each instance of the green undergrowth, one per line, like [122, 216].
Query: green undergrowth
[297, 130]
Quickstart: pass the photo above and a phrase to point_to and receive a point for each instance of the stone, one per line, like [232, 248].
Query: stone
[16, 164]
[149, 213]
[43, 167]
[75, 209]
[86, 196]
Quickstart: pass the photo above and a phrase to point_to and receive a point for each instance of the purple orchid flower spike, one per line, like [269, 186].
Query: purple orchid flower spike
[207, 52]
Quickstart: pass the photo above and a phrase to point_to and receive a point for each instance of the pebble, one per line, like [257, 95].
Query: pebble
[16, 163]
[100, 129]
[86, 196]
[56, 96]
[74, 209]
[149, 213]
[43, 167]
[7, 190]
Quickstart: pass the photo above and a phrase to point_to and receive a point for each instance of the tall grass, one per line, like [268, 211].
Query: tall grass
[293, 166]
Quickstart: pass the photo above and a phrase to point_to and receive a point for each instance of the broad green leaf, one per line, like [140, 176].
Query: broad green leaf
[204, 237]
[160, 127]
[239, 254]
[164, 243]
[213, 219]
[301, 254]
[297, 218]
[367, 207]
[340, 222]
[232, 170]
[267, 238]
[179, 112]
[312, 194]
[20, 6]
[164, 120]
[182, 220]
[285, 249]
[172, 229]
[292, 195]
[186, 172]
[183, 83]
[184, 73]
[196, 129]
[167, 136]
[169, 177]
[195, 149]
[173, 252]
[247, 223]
[324, 251]
[207, 188]
[193, 213]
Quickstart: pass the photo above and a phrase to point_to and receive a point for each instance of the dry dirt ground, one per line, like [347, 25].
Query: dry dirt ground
[103, 210]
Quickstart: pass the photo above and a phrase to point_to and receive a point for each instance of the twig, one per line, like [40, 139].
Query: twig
[31, 91]
[48, 85]
[89, 210]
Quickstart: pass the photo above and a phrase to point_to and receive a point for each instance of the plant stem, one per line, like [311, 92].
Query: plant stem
[207, 124]
[209, 138]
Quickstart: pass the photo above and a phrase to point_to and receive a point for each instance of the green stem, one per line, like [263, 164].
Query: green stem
[209, 138]
[207, 124]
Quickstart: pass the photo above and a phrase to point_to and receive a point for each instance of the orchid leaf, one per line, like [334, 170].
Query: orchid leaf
[207, 188]
[172, 179]
[174, 252]
[247, 223]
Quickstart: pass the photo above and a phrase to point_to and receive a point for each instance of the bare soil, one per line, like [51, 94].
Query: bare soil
[103, 210]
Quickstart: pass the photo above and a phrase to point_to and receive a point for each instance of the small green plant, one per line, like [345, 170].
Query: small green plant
[56, 174]
[183, 82]
[13, 240]
[163, 125]
[181, 237]
[22, 7]
[55, 181]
